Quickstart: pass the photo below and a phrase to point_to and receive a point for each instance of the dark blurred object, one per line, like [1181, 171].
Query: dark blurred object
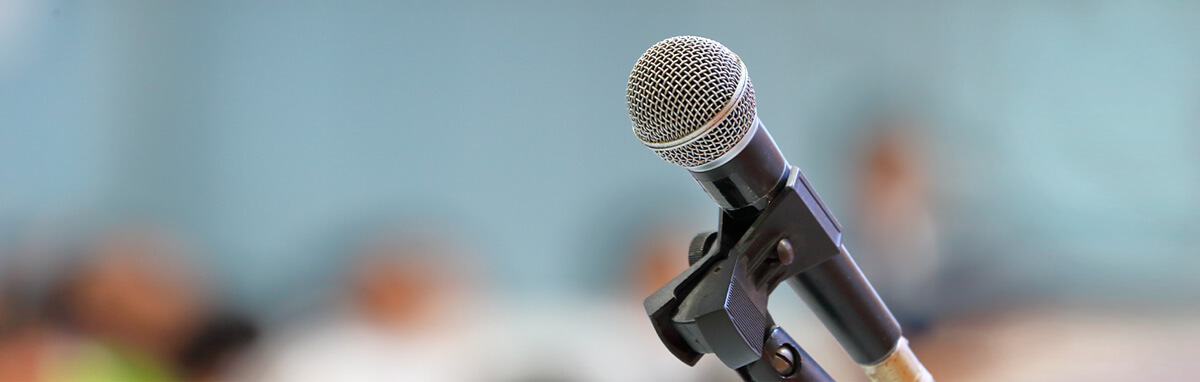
[212, 352]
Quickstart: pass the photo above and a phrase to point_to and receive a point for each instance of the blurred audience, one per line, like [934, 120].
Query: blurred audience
[128, 307]
[133, 305]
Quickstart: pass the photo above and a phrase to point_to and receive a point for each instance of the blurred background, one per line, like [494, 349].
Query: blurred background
[450, 191]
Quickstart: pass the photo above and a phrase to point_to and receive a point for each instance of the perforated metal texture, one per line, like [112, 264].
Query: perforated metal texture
[679, 85]
[718, 141]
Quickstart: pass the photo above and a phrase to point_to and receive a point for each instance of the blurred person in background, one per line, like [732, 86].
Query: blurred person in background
[404, 314]
[137, 310]
[897, 228]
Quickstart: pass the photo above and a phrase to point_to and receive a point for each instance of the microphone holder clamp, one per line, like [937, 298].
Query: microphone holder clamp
[719, 304]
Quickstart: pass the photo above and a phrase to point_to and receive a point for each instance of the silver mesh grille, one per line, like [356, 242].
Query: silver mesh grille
[677, 87]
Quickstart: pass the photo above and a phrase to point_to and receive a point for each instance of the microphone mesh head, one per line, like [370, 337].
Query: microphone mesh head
[690, 100]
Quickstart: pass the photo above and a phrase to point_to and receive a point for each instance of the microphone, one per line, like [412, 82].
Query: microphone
[692, 103]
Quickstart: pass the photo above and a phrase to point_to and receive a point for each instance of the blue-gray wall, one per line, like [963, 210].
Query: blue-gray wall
[1063, 133]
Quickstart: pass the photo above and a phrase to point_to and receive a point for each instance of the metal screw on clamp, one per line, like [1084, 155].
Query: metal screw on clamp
[784, 360]
[783, 250]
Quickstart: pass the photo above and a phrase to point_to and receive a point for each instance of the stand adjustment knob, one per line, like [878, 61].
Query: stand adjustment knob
[699, 246]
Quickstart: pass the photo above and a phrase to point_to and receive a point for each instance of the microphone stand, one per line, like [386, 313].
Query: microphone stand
[719, 304]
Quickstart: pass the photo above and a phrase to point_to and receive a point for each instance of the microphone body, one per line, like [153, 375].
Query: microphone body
[834, 289]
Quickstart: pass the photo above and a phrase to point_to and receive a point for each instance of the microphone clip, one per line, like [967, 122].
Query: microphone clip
[719, 304]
